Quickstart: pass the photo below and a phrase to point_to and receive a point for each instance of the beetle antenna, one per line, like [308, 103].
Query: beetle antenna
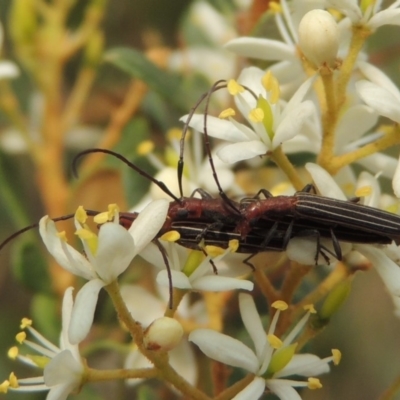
[221, 84]
[160, 184]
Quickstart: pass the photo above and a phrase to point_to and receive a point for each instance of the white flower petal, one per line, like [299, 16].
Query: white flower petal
[367, 180]
[135, 296]
[60, 392]
[385, 17]
[115, 251]
[282, 389]
[355, 122]
[380, 99]
[149, 222]
[216, 283]
[253, 391]
[232, 153]
[377, 76]
[63, 369]
[252, 322]
[182, 359]
[153, 255]
[83, 311]
[386, 268]
[67, 307]
[224, 349]
[135, 360]
[396, 180]
[262, 49]
[324, 182]
[179, 279]
[304, 365]
[218, 128]
[380, 163]
[64, 254]
[8, 70]
[293, 123]
[298, 97]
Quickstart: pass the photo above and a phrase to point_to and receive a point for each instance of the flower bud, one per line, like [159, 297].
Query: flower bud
[163, 334]
[319, 38]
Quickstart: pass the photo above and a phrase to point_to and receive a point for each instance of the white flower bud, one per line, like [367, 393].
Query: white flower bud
[163, 334]
[319, 38]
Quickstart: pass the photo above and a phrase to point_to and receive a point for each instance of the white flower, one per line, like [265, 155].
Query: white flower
[271, 361]
[272, 122]
[197, 276]
[368, 13]
[107, 256]
[63, 367]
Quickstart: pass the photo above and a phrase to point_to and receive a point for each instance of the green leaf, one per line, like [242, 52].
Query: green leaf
[46, 316]
[137, 65]
[29, 265]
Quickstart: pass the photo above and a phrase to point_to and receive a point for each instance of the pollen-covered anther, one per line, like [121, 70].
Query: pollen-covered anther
[364, 191]
[13, 352]
[337, 356]
[275, 7]
[256, 115]
[81, 215]
[229, 112]
[214, 251]
[280, 305]
[271, 84]
[101, 218]
[319, 38]
[20, 337]
[145, 147]
[13, 380]
[310, 308]
[4, 386]
[171, 236]
[314, 383]
[85, 234]
[163, 334]
[25, 322]
[62, 235]
[174, 134]
[233, 245]
[274, 341]
[234, 87]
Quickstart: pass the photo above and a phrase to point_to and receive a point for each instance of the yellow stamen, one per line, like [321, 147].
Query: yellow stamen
[314, 383]
[310, 308]
[25, 322]
[85, 234]
[234, 88]
[80, 215]
[144, 148]
[337, 356]
[40, 361]
[364, 191]
[4, 386]
[274, 341]
[229, 112]
[271, 84]
[280, 305]
[113, 209]
[275, 7]
[256, 115]
[13, 352]
[101, 218]
[280, 188]
[174, 134]
[20, 337]
[13, 380]
[214, 251]
[233, 245]
[63, 236]
[171, 236]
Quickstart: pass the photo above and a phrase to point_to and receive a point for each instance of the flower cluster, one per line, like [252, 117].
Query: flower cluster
[172, 269]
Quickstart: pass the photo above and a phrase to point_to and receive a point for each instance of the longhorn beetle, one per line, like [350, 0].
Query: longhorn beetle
[304, 214]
